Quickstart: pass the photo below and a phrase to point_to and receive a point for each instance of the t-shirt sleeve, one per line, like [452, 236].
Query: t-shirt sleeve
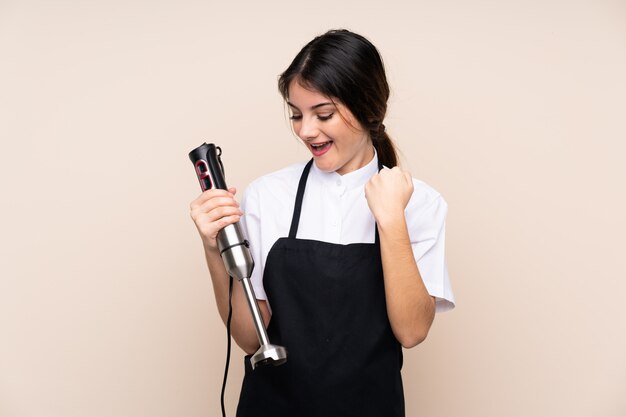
[427, 230]
[251, 222]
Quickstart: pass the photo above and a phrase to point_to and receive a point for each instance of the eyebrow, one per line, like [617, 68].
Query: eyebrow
[314, 107]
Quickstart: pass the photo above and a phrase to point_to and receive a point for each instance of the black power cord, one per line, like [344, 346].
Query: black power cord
[230, 311]
[230, 316]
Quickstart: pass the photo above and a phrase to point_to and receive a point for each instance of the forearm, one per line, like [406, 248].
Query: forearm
[410, 308]
[242, 326]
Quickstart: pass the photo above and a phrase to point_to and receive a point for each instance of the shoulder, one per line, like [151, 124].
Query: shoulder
[426, 211]
[424, 196]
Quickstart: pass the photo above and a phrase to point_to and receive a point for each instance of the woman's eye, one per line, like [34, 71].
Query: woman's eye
[296, 117]
[324, 118]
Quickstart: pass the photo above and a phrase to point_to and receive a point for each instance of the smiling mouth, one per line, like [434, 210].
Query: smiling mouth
[320, 147]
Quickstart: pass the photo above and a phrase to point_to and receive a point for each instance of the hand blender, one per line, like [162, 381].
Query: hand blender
[235, 251]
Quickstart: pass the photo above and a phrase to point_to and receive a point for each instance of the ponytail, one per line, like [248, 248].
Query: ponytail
[385, 147]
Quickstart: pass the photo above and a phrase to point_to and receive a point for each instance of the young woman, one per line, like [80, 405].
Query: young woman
[349, 249]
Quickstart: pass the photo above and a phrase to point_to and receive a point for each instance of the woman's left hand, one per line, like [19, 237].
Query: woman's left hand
[388, 194]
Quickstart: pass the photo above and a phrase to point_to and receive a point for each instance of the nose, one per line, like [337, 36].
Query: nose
[308, 129]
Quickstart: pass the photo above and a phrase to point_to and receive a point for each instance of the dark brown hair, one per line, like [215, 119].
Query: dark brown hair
[344, 65]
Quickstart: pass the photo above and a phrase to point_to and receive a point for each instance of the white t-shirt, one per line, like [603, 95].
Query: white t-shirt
[334, 209]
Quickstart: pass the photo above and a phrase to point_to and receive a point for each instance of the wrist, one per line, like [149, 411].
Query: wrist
[391, 220]
[210, 248]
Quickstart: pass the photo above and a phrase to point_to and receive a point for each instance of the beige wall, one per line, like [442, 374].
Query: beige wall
[514, 111]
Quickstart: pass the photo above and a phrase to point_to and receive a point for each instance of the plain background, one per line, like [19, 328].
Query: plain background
[514, 110]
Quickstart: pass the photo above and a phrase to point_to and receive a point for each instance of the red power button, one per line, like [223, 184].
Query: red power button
[202, 170]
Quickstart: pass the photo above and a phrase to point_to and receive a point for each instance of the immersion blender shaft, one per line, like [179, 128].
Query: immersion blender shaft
[256, 313]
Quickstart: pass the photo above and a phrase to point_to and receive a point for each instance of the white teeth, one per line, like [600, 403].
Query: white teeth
[319, 145]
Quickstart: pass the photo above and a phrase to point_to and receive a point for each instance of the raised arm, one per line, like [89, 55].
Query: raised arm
[410, 308]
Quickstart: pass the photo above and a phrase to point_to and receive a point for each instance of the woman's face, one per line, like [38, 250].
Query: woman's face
[337, 143]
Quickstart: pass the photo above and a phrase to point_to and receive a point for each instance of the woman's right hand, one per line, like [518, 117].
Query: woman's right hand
[213, 210]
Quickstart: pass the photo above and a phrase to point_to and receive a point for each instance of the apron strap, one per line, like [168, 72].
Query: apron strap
[376, 238]
[295, 220]
[293, 230]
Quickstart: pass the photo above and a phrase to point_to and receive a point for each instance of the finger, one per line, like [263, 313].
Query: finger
[380, 174]
[373, 180]
[200, 209]
[208, 218]
[215, 192]
[208, 194]
[225, 221]
[220, 212]
[409, 179]
[216, 202]
[212, 228]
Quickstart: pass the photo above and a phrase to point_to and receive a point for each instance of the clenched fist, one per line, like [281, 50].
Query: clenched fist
[388, 194]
